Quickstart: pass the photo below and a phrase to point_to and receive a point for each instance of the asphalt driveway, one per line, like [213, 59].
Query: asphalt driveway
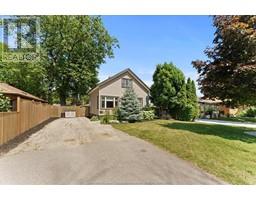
[77, 151]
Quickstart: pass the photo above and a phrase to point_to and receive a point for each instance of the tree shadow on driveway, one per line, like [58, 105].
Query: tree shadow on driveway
[227, 132]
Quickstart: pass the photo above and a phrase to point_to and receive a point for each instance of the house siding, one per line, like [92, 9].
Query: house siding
[114, 89]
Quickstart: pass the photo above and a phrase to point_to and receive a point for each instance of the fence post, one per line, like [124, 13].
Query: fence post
[1, 128]
[18, 104]
[18, 116]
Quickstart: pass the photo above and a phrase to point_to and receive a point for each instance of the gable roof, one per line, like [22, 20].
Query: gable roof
[128, 70]
[8, 89]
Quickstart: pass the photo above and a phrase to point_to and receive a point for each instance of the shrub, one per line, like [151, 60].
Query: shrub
[251, 112]
[148, 115]
[186, 113]
[209, 111]
[5, 103]
[95, 118]
[149, 108]
[106, 118]
[115, 114]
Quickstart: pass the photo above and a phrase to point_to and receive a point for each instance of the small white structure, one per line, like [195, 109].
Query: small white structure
[70, 114]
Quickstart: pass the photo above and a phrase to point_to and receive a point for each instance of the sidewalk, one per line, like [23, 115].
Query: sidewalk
[227, 123]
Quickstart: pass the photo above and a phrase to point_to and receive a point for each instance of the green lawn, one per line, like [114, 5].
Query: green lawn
[238, 119]
[224, 151]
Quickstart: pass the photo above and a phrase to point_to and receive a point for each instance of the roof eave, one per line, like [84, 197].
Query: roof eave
[24, 96]
[117, 75]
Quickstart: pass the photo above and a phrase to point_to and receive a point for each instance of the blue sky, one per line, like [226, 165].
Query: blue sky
[146, 41]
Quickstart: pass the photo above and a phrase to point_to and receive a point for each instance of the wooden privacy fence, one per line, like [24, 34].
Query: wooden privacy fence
[29, 114]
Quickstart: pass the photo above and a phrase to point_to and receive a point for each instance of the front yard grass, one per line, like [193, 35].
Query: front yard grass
[224, 151]
[238, 119]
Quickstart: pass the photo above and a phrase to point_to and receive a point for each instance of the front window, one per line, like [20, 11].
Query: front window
[126, 83]
[109, 102]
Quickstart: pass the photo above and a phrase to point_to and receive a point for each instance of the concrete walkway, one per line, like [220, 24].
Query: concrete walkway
[227, 123]
[77, 151]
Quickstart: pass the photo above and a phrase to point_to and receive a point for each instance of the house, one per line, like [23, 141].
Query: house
[107, 94]
[215, 108]
[15, 94]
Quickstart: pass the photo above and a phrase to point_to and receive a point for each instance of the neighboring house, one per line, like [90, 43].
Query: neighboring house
[106, 95]
[216, 107]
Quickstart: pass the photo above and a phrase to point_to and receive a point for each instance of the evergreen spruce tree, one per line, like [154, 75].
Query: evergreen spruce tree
[129, 110]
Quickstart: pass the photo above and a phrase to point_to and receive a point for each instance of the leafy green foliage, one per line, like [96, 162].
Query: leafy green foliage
[168, 91]
[149, 108]
[30, 77]
[148, 114]
[192, 98]
[106, 118]
[186, 113]
[171, 94]
[129, 109]
[250, 112]
[71, 51]
[94, 118]
[73, 48]
[5, 103]
[229, 72]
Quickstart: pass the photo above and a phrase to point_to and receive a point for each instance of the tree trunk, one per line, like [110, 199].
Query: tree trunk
[49, 96]
[62, 99]
[76, 100]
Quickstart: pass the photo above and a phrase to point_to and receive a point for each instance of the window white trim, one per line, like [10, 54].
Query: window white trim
[105, 99]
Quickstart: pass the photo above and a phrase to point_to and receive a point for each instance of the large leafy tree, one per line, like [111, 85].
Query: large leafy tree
[73, 49]
[168, 91]
[229, 73]
[30, 77]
